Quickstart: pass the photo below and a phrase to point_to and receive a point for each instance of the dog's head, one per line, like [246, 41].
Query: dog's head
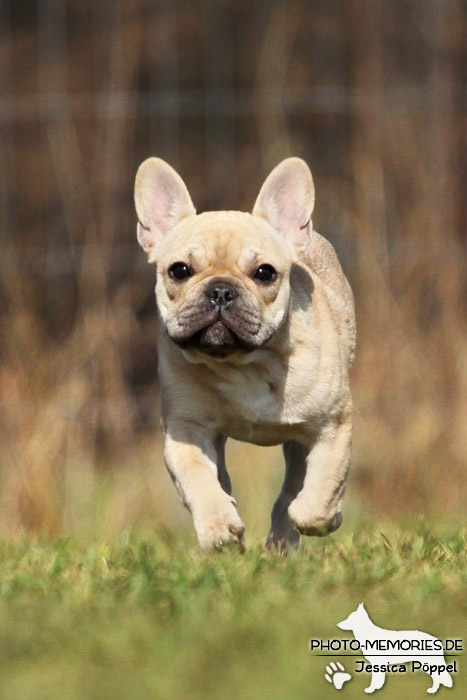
[355, 620]
[223, 277]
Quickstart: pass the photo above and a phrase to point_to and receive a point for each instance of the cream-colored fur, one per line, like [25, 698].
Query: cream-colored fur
[284, 377]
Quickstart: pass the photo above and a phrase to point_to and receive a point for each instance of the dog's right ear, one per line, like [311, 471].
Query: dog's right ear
[286, 200]
[162, 200]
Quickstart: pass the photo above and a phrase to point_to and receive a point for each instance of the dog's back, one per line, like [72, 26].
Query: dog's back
[321, 258]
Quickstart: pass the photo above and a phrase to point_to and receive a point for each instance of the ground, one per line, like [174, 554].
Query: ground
[149, 616]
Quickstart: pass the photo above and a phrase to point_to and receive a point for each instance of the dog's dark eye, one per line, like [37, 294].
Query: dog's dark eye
[265, 273]
[180, 271]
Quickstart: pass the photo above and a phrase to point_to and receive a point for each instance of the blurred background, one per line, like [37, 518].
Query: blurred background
[371, 93]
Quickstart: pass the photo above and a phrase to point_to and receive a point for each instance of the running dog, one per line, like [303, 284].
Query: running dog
[257, 337]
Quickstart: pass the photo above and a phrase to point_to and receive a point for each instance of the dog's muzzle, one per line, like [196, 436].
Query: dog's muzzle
[222, 321]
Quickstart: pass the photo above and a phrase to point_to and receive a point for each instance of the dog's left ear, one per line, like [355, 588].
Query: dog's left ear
[287, 199]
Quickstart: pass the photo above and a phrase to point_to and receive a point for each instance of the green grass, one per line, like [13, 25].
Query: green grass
[154, 618]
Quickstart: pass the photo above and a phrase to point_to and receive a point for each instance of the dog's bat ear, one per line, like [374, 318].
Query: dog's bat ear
[162, 200]
[287, 199]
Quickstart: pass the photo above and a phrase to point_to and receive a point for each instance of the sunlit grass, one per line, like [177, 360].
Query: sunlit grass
[150, 616]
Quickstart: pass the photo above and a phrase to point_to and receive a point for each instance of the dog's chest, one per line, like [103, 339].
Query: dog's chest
[256, 408]
[250, 395]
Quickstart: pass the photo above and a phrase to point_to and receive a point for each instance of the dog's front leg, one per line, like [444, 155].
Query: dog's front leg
[377, 681]
[191, 458]
[316, 509]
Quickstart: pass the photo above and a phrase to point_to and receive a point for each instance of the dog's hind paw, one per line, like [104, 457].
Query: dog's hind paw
[283, 539]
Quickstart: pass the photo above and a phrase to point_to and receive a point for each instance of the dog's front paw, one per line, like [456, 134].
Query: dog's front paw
[218, 525]
[307, 521]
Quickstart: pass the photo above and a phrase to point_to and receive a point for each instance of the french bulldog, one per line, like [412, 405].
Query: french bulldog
[257, 338]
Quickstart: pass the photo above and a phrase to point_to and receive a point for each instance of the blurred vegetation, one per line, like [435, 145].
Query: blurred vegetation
[370, 93]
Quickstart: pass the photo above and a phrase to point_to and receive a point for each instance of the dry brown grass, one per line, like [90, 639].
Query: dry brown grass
[79, 435]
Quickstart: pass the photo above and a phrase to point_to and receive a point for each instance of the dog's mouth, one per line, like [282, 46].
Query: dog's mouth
[217, 335]
[217, 340]
[220, 330]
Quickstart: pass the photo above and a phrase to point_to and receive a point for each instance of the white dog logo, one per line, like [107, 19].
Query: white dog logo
[368, 635]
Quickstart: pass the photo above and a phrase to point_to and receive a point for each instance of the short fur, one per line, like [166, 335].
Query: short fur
[268, 366]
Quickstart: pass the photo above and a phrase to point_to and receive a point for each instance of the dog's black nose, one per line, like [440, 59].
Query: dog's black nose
[221, 294]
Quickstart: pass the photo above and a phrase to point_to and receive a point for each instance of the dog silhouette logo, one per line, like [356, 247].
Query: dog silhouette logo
[383, 649]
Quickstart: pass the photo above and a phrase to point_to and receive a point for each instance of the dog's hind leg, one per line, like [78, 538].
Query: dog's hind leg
[316, 509]
[443, 678]
[282, 534]
[222, 473]
[435, 686]
[438, 679]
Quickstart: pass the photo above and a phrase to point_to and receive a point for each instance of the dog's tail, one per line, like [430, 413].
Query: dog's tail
[445, 679]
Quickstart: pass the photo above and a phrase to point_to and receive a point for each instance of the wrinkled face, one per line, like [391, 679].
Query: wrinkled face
[223, 282]
[223, 277]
